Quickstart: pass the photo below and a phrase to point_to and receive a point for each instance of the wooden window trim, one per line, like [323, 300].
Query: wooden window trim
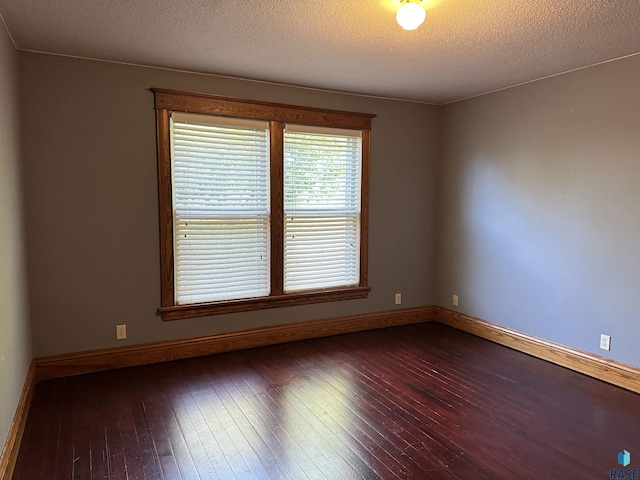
[167, 101]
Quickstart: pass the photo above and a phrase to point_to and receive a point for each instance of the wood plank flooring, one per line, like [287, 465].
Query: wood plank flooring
[422, 401]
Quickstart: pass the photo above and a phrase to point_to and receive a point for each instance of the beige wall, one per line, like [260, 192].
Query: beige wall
[91, 202]
[15, 344]
[539, 208]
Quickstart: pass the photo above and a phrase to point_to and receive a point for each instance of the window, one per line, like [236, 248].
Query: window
[261, 205]
[221, 212]
[321, 208]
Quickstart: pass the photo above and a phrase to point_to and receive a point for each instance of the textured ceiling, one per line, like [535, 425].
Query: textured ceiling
[464, 48]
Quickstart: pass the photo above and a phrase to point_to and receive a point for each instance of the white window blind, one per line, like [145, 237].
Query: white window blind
[220, 174]
[322, 170]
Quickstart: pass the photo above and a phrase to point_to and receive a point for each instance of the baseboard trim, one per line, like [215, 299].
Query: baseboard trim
[107, 359]
[605, 369]
[16, 430]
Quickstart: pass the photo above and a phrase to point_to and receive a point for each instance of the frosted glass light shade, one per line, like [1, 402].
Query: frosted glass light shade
[410, 15]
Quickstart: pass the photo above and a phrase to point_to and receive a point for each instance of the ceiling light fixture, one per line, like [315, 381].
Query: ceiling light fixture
[410, 15]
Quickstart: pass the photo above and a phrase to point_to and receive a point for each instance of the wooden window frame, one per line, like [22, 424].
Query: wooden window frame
[167, 101]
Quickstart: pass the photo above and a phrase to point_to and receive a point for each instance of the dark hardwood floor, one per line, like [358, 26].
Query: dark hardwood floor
[421, 401]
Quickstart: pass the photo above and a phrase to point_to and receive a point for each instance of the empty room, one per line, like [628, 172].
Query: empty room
[367, 239]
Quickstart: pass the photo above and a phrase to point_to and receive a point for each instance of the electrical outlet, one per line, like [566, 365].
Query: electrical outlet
[455, 300]
[398, 298]
[605, 342]
[121, 332]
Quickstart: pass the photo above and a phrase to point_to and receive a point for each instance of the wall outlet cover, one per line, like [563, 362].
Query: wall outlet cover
[121, 332]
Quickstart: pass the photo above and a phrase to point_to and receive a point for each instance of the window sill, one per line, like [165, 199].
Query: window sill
[179, 312]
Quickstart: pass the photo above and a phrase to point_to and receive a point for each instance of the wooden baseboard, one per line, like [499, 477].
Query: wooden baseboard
[602, 368]
[111, 358]
[16, 430]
